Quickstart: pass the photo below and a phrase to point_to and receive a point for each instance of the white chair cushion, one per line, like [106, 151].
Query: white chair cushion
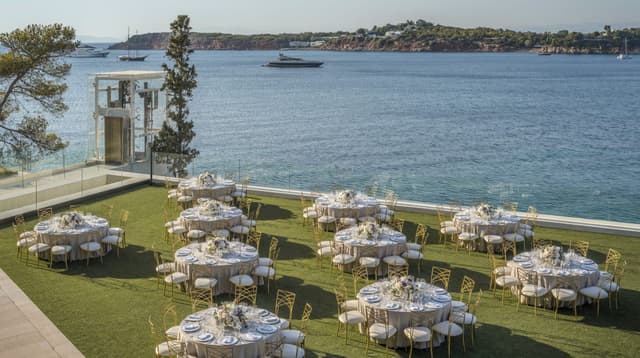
[501, 271]
[90, 246]
[112, 240]
[163, 350]
[526, 233]
[446, 223]
[39, 247]
[513, 237]
[309, 214]
[412, 255]
[238, 194]
[241, 280]
[467, 236]
[172, 195]
[196, 234]
[351, 305]
[172, 332]
[185, 199]
[506, 281]
[608, 285]
[205, 282]
[448, 230]
[343, 259]
[381, 331]
[443, 328]
[463, 318]
[369, 261]
[28, 235]
[292, 336]
[564, 294]
[165, 267]
[363, 219]
[325, 243]
[176, 277]
[239, 229]
[247, 222]
[533, 290]
[291, 351]
[116, 231]
[594, 292]
[414, 246]
[264, 271]
[524, 226]
[176, 230]
[265, 261]
[394, 260]
[492, 239]
[348, 221]
[326, 219]
[169, 224]
[60, 249]
[26, 242]
[419, 334]
[351, 317]
[326, 251]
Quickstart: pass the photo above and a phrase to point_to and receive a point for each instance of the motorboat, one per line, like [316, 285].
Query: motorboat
[86, 51]
[288, 61]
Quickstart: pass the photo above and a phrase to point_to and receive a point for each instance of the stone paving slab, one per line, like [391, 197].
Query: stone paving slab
[24, 330]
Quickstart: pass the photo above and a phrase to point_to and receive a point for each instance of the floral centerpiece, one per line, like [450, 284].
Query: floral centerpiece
[231, 316]
[551, 255]
[206, 179]
[367, 231]
[210, 207]
[346, 197]
[486, 211]
[71, 220]
[217, 245]
[403, 286]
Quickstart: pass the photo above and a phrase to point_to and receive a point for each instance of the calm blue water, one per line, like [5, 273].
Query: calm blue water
[557, 132]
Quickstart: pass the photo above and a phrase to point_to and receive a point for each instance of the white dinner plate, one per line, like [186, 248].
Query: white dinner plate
[442, 298]
[266, 329]
[372, 299]
[368, 290]
[195, 317]
[520, 259]
[543, 270]
[392, 306]
[183, 252]
[250, 248]
[441, 291]
[526, 265]
[263, 313]
[191, 327]
[229, 340]
[271, 320]
[205, 337]
[252, 337]
[248, 255]
[433, 305]
[416, 308]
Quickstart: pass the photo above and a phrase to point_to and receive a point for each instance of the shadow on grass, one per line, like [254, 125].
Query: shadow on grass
[134, 262]
[513, 344]
[289, 250]
[272, 212]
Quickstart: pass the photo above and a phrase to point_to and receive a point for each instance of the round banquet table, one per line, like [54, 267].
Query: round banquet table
[577, 270]
[93, 228]
[427, 298]
[205, 337]
[499, 224]
[388, 242]
[196, 190]
[194, 261]
[361, 206]
[195, 218]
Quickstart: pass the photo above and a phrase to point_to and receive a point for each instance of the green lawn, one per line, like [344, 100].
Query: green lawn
[103, 309]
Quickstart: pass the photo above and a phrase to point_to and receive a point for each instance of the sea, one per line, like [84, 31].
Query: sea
[560, 133]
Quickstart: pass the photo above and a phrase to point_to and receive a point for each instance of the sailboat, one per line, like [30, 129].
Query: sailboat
[625, 55]
[128, 56]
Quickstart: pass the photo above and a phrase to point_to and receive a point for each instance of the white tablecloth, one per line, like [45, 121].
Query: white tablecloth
[196, 190]
[580, 272]
[428, 298]
[502, 222]
[194, 218]
[195, 262]
[388, 241]
[93, 229]
[248, 342]
[361, 205]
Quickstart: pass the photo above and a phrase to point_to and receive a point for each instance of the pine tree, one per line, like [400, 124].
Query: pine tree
[176, 135]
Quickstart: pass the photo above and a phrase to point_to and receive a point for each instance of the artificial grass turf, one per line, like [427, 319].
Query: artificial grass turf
[103, 308]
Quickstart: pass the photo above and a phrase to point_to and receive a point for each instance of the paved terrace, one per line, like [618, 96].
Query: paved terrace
[24, 330]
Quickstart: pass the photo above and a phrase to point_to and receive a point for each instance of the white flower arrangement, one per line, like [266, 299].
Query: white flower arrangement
[403, 286]
[346, 197]
[210, 207]
[71, 220]
[206, 179]
[486, 211]
[217, 245]
[551, 255]
[231, 316]
[367, 231]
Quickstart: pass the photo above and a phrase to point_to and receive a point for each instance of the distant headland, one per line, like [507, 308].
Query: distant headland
[410, 36]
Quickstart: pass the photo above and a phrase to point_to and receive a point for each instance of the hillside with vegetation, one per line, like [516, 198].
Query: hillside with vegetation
[412, 36]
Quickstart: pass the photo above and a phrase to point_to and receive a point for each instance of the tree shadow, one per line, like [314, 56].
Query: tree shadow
[273, 212]
[134, 262]
[289, 250]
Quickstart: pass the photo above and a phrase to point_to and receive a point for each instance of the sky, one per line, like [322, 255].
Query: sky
[108, 20]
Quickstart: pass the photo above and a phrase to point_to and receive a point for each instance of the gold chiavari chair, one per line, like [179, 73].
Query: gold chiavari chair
[285, 299]
[117, 235]
[581, 247]
[396, 258]
[528, 288]
[162, 267]
[539, 243]
[360, 276]
[247, 294]
[613, 284]
[60, 248]
[378, 327]
[254, 239]
[170, 321]
[466, 290]
[467, 237]
[508, 246]
[23, 242]
[450, 329]
[611, 262]
[440, 277]
[398, 271]
[349, 305]
[323, 248]
[470, 318]
[419, 330]
[242, 278]
[501, 277]
[397, 224]
[107, 212]
[369, 259]
[414, 250]
[346, 316]
[163, 346]
[202, 286]
[342, 258]
[45, 213]
[91, 247]
[252, 219]
[564, 291]
[200, 302]
[297, 336]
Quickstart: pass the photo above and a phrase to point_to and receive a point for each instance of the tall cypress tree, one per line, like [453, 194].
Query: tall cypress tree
[176, 135]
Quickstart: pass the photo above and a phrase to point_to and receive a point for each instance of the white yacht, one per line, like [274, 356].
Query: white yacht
[86, 51]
